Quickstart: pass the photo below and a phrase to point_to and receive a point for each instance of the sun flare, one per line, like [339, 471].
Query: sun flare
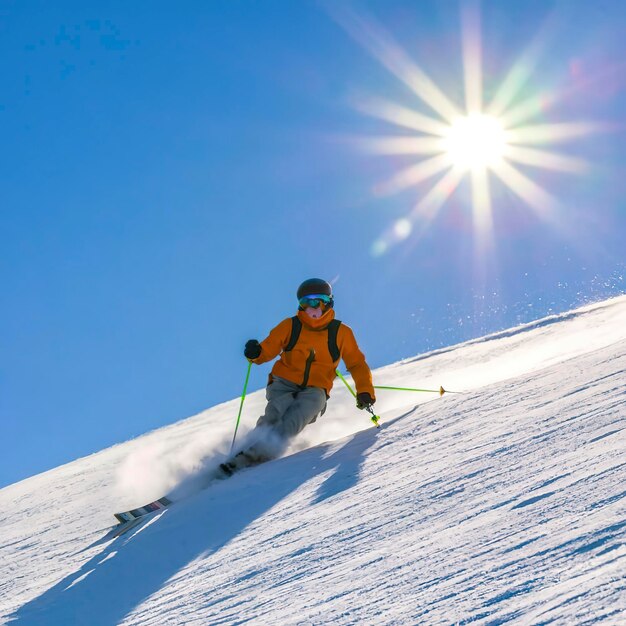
[480, 141]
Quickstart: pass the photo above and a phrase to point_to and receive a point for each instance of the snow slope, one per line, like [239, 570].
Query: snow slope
[504, 504]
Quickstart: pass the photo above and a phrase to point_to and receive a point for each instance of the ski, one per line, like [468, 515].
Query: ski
[225, 470]
[133, 514]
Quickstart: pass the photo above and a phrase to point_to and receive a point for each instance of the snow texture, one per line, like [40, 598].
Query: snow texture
[503, 504]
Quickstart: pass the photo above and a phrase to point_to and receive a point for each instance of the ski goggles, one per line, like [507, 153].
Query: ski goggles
[314, 301]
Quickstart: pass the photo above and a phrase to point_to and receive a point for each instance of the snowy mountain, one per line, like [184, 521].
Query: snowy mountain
[502, 504]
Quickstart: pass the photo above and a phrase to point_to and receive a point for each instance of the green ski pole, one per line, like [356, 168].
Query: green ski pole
[375, 418]
[243, 397]
[440, 391]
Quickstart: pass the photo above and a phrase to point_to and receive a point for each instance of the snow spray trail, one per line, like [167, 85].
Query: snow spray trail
[133, 569]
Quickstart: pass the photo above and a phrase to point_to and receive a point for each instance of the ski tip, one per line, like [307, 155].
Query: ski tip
[441, 391]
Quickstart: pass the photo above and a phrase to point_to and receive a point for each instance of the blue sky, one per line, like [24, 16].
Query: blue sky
[169, 176]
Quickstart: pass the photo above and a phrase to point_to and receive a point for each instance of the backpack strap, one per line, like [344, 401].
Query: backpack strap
[296, 327]
[333, 348]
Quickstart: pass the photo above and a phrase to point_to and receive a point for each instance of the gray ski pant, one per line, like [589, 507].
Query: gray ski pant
[290, 408]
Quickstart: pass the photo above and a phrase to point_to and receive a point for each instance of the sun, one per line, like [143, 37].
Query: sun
[475, 141]
[479, 141]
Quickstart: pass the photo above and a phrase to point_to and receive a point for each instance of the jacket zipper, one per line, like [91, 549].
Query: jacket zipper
[307, 368]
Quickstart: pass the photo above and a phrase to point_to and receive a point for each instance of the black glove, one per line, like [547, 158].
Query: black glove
[364, 400]
[252, 349]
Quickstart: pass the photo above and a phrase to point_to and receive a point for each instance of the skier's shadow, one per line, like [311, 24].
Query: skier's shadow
[346, 463]
[133, 567]
[348, 460]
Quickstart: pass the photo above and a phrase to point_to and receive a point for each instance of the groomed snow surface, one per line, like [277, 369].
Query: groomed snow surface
[503, 504]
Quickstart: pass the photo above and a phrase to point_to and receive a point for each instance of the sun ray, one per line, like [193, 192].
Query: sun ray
[481, 207]
[401, 145]
[551, 133]
[400, 116]
[509, 88]
[528, 109]
[483, 226]
[472, 58]
[533, 194]
[520, 73]
[383, 48]
[546, 159]
[428, 207]
[412, 176]
[424, 211]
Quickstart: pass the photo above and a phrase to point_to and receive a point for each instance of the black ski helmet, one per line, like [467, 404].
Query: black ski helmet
[314, 287]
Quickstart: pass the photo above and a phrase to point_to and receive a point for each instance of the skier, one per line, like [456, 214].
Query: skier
[310, 347]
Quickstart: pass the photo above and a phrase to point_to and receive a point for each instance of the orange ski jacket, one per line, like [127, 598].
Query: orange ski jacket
[309, 362]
